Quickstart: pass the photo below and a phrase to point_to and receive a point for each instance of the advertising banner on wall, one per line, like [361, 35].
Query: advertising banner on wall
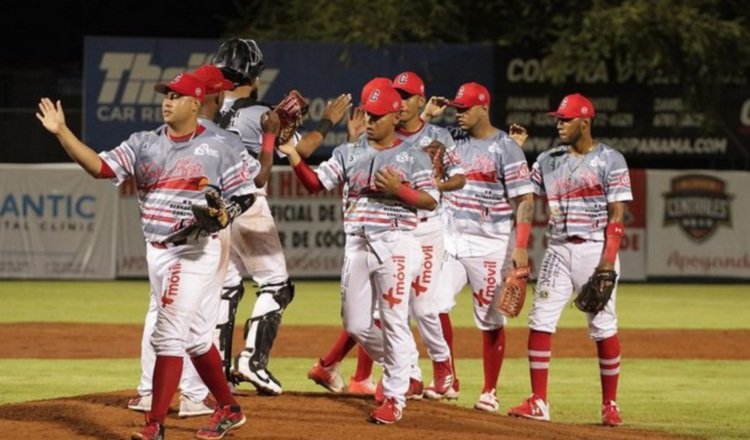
[633, 245]
[120, 74]
[56, 222]
[697, 224]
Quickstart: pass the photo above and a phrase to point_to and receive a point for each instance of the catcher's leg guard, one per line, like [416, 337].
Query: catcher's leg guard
[260, 333]
[230, 301]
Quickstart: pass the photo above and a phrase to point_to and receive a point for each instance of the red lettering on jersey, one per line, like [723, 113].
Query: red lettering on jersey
[391, 299]
[418, 287]
[173, 285]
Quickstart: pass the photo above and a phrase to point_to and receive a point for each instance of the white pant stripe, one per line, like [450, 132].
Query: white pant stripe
[612, 372]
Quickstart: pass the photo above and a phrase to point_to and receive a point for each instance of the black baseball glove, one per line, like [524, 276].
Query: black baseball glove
[213, 216]
[597, 291]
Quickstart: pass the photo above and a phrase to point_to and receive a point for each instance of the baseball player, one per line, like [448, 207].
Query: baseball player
[172, 167]
[194, 400]
[254, 237]
[587, 185]
[479, 245]
[386, 182]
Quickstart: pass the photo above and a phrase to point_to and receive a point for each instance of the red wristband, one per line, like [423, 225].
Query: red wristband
[105, 171]
[268, 142]
[613, 233]
[307, 176]
[523, 231]
[408, 195]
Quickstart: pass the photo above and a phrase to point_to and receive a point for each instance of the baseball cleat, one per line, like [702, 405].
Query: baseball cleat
[260, 378]
[222, 421]
[534, 408]
[611, 414]
[452, 394]
[488, 401]
[327, 377]
[140, 403]
[152, 431]
[416, 389]
[366, 386]
[191, 408]
[389, 412]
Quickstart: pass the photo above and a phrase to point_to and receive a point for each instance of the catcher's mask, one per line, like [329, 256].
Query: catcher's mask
[240, 60]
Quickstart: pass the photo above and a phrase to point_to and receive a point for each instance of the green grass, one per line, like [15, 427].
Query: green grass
[699, 398]
[699, 306]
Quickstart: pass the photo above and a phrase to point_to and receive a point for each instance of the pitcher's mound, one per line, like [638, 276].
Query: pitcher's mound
[314, 416]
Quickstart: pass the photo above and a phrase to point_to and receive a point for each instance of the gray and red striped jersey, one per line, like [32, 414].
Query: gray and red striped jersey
[171, 176]
[451, 162]
[578, 189]
[496, 171]
[366, 210]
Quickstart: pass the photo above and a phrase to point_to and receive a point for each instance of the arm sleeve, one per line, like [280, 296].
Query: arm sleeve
[121, 159]
[331, 172]
[537, 180]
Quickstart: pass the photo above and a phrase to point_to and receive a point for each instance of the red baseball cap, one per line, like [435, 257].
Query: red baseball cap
[214, 79]
[185, 84]
[378, 81]
[469, 95]
[382, 100]
[409, 82]
[574, 106]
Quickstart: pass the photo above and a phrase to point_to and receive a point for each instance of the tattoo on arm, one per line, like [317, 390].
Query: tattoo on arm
[525, 209]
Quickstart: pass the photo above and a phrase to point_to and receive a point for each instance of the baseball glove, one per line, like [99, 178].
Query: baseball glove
[436, 151]
[291, 110]
[597, 291]
[513, 293]
[213, 216]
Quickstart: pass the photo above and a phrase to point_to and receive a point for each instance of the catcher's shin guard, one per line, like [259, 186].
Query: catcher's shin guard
[232, 295]
[261, 331]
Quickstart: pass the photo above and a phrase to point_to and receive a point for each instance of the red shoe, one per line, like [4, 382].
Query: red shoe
[366, 386]
[611, 414]
[416, 388]
[327, 377]
[442, 376]
[388, 413]
[152, 431]
[534, 408]
[452, 394]
[222, 421]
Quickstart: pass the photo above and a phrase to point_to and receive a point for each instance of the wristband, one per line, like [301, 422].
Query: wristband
[324, 125]
[523, 230]
[408, 195]
[613, 233]
[268, 142]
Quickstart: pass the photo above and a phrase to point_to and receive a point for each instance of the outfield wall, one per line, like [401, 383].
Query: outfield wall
[58, 223]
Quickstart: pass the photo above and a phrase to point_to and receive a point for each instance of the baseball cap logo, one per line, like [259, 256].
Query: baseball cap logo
[375, 95]
[584, 110]
[176, 79]
[403, 78]
[460, 93]
[198, 92]
[481, 97]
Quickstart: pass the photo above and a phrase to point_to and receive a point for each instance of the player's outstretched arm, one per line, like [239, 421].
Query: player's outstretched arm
[390, 183]
[524, 216]
[304, 173]
[333, 114]
[52, 117]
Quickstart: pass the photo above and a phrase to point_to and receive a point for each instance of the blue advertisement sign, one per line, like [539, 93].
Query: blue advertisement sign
[120, 73]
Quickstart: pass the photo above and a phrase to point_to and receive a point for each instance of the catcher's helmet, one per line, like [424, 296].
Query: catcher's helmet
[240, 60]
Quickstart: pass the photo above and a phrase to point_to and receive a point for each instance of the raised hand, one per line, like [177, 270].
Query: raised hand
[51, 115]
[355, 125]
[518, 133]
[336, 109]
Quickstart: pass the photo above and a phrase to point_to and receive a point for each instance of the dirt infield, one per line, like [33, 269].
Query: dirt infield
[84, 341]
[319, 415]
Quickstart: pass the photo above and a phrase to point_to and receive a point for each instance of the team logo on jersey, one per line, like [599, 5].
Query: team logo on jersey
[404, 157]
[698, 204]
[205, 150]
